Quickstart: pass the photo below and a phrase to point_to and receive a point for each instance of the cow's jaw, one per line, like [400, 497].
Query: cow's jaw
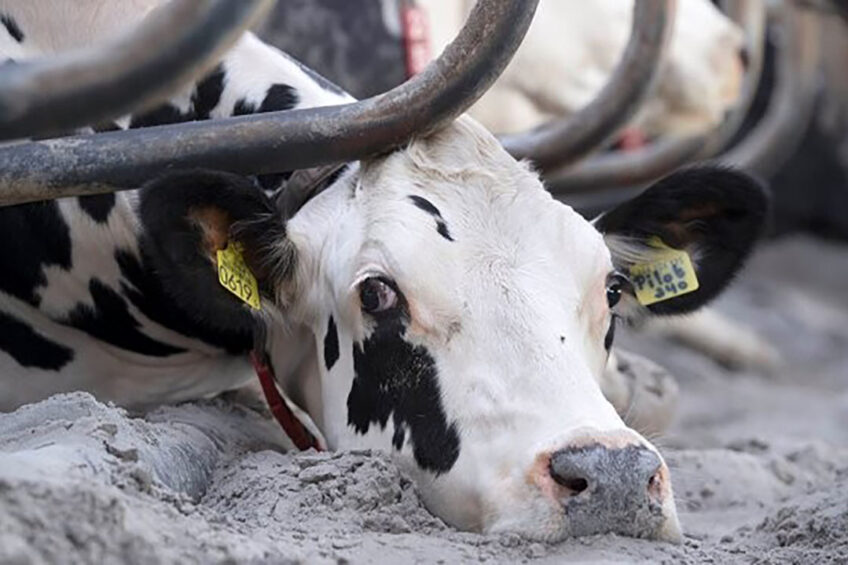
[492, 367]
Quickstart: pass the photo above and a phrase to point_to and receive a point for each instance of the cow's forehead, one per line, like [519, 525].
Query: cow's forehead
[433, 215]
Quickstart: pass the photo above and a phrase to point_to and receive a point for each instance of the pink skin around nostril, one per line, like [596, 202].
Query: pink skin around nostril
[658, 487]
[540, 476]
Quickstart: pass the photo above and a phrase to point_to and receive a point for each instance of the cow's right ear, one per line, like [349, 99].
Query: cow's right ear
[712, 213]
[187, 217]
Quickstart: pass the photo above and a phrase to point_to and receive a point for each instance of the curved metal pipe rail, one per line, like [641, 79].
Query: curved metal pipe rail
[777, 136]
[279, 141]
[173, 45]
[773, 139]
[625, 170]
[565, 141]
[752, 15]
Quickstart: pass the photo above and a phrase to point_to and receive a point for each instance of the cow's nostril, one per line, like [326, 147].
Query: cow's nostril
[568, 477]
[655, 484]
[576, 485]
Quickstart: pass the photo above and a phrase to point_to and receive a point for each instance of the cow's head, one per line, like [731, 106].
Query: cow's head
[462, 318]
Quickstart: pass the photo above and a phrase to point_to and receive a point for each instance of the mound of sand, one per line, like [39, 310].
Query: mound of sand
[759, 464]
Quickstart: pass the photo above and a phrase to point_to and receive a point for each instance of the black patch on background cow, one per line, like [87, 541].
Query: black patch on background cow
[397, 379]
[144, 290]
[97, 206]
[278, 98]
[243, 108]
[111, 322]
[207, 94]
[29, 348]
[161, 115]
[33, 236]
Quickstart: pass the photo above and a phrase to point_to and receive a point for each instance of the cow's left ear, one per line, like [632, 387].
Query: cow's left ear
[714, 214]
[187, 217]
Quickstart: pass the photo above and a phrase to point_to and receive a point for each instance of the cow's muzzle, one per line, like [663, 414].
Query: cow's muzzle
[623, 489]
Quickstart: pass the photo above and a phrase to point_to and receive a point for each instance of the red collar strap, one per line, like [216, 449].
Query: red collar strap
[294, 428]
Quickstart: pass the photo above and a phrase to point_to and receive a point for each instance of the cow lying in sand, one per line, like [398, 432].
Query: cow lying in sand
[435, 303]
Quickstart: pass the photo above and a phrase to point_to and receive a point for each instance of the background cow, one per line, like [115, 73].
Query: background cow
[572, 49]
[435, 302]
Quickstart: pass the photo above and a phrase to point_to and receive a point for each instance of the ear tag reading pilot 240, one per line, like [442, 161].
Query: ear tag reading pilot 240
[235, 276]
[668, 276]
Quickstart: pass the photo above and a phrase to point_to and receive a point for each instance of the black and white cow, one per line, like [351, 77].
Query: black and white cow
[435, 302]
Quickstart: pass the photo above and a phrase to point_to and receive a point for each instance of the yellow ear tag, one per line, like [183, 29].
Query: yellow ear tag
[668, 276]
[234, 275]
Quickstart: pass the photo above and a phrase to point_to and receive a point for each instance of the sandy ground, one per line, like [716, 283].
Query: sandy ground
[759, 464]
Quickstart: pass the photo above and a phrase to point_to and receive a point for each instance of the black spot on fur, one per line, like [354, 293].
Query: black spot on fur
[204, 99]
[161, 115]
[35, 236]
[142, 286]
[395, 378]
[425, 205]
[29, 348]
[207, 94]
[110, 321]
[430, 208]
[12, 27]
[442, 228]
[243, 108]
[331, 345]
[97, 206]
[278, 98]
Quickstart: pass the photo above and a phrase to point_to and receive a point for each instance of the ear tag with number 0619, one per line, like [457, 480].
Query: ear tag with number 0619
[669, 275]
[235, 276]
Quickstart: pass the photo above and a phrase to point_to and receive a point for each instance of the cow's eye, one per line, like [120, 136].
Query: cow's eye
[377, 295]
[617, 284]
